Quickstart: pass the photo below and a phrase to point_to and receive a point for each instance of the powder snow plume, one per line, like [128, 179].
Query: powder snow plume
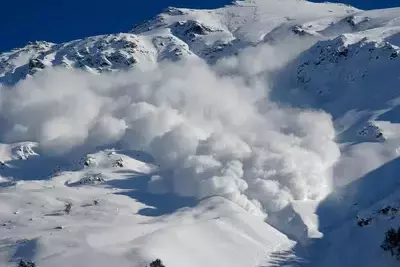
[212, 129]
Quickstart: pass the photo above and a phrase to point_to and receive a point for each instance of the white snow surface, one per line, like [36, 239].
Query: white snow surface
[257, 134]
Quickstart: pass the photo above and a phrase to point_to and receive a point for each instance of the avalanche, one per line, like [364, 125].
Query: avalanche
[267, 127]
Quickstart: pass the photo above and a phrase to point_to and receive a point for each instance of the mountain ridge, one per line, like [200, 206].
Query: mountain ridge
[265, 126]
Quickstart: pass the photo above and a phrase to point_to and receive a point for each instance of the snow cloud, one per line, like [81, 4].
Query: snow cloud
[212, 127]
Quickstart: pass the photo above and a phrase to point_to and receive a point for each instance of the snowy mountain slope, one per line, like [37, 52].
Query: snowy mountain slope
[118, 230]
[174, 34]
[164, 156]
[353, 77]
[95, 54]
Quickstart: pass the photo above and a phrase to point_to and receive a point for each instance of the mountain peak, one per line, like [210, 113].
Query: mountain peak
[269, 127]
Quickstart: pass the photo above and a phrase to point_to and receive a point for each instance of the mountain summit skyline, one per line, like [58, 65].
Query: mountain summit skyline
[263, 133]
[69, 20]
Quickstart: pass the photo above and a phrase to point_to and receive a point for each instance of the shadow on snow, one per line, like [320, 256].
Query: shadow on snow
[342, 205]
[136, 187]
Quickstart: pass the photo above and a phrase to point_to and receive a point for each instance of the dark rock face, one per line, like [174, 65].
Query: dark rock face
[189, 29]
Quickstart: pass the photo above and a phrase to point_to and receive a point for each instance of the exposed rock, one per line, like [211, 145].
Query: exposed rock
[372, 132]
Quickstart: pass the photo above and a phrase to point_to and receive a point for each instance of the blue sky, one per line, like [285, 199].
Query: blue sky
[63, 20]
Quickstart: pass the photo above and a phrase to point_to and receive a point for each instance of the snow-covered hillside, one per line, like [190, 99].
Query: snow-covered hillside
[263, 133]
